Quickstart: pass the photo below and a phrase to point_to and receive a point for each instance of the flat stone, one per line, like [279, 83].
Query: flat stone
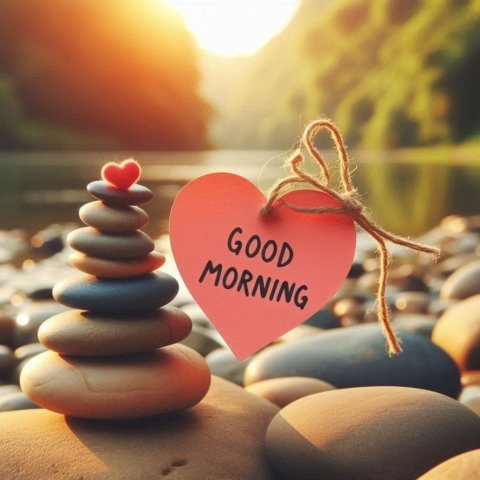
[168, 379]
[356, 357]
[457, 332]
[463, 283]
[465, 466]
[135, 195]
[110, 219]
[92, 242]
[188, 445]
[370, 433]
[15, 401]
[123, 296]
[85, 334]
[108, 268]
[283, 391]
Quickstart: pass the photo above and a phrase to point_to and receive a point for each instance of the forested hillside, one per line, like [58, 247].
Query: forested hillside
[392, 73]
[98, 74]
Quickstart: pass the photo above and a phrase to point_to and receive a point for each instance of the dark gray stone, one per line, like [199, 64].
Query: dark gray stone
[135, 195]
[7, 359]
[122, 296]
[96, 244]
[324, 318]
[16, 401]
[356, 357]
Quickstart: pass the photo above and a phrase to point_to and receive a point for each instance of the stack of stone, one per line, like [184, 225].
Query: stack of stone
[114, 355]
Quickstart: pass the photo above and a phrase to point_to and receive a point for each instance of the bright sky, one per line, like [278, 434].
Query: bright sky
[235, 27]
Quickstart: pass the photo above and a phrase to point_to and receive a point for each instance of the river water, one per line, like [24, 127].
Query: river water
[404, 195]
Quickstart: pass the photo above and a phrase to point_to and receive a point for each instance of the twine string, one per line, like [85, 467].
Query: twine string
[350, 204]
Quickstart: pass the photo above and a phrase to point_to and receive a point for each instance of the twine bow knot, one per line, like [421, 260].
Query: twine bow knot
[350, 204]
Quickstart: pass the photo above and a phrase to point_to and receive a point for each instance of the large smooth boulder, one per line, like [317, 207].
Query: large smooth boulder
[220, 438]
[369, 433]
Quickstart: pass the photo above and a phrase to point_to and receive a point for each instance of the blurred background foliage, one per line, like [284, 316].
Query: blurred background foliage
[98, 74]
[121, 74]
[392, 73]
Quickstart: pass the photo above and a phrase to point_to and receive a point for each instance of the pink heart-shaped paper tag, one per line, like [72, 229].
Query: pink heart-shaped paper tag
[122, 175]
[257, 277]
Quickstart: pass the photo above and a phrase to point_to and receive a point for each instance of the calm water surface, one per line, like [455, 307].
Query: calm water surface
[405, 196]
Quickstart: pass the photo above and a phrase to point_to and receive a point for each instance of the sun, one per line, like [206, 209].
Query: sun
[235, 27]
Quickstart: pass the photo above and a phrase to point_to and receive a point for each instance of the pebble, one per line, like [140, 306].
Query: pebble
[135, 195]
[197, 315]
[297, 333]
[96, 244]
[108, 268]
[122, 296]
[223, 364]
[7, 359]
[220, 438]
[324, 318]
[463, 283]
[471, 377]
[30, 318]
[416, 323]
[349, 307]
[27, 351]
[109, 219]
[168, 379]
[7, 328]
[465, 466]
[285, 390]
[370, 433]
[84, 334]
[49, 240]
[457, 332]
[356, 357]
[15, 401]
[412, 302]
[470, 397]
[8, 389]
[202, 340]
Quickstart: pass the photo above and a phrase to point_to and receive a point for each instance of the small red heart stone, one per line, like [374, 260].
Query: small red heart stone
[122, 175]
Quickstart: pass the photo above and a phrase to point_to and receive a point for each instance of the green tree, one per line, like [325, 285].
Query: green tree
[89, 73]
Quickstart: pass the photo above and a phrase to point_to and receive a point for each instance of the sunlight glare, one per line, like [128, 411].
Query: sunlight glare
[235, 27]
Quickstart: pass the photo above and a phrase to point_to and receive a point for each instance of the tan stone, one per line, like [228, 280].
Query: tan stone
[220, 438]
[76, 332]
[373, 433]
[458, 333]
[131, 386]
[285, 390]
[111, 219]
[107, 268]
[465, 466]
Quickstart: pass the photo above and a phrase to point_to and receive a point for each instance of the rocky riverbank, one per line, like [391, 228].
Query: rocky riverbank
[347, 410]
